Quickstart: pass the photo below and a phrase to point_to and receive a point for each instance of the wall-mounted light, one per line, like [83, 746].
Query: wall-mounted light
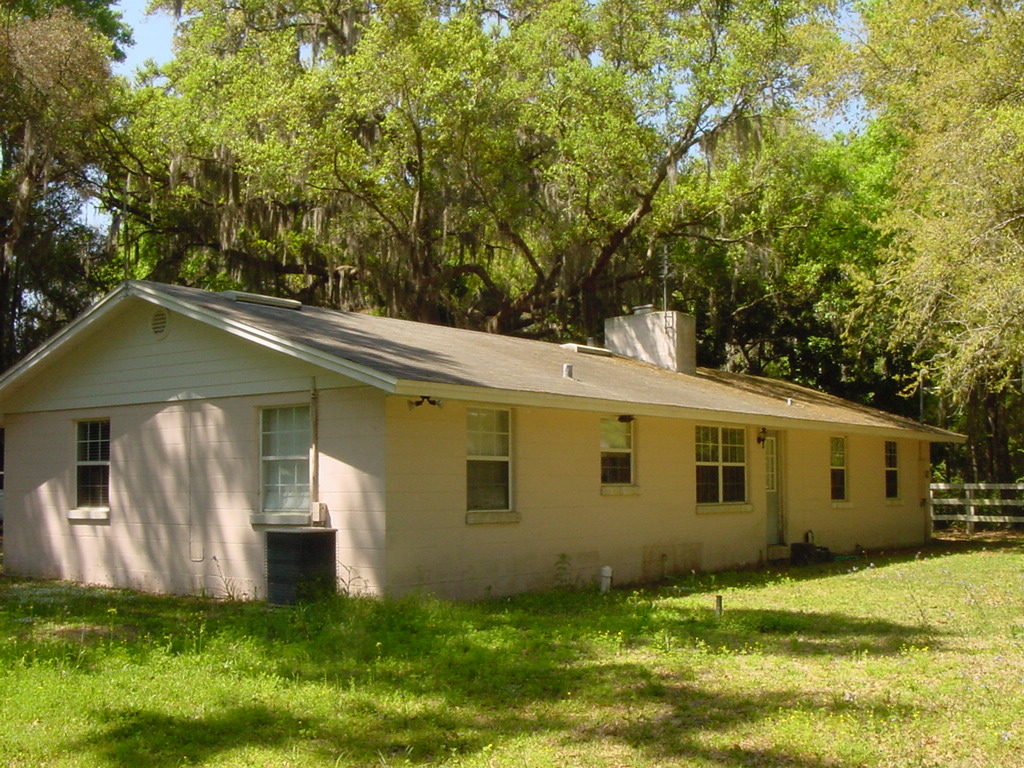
[424, 400]
[762, 436]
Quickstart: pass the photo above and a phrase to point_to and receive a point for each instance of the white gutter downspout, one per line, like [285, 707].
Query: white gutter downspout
[196, 551]
[316, 510]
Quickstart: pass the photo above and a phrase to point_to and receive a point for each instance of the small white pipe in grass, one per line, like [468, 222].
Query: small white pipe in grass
[606, 578]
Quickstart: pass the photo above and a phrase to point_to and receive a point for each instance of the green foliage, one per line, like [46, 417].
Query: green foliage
[55, 99]
[500, 167]
[946, 76]
[97, 14]
[774, 249]
[921, 649]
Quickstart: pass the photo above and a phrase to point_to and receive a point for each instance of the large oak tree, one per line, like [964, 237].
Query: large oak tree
[503, 166]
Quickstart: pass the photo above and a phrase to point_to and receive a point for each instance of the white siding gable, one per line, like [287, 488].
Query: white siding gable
[127, 362]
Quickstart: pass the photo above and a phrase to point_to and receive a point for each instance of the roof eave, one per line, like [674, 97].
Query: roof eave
[509, 397]
[415, 388]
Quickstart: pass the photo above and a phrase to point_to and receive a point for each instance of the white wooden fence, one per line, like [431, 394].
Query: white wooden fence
[977, 502]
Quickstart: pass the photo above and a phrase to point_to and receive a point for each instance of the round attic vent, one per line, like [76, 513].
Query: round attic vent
[158, 323]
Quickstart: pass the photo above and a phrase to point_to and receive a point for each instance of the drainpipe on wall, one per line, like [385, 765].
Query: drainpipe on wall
[317, 513]
[196, 550]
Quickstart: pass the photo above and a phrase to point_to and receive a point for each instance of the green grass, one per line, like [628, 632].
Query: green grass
[889, 660]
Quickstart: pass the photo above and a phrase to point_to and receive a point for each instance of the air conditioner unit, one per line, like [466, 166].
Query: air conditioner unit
[301, 564]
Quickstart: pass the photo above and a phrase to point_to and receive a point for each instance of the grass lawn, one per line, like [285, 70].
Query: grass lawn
[905, 659]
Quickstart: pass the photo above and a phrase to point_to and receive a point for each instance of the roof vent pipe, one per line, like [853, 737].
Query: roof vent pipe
[643, 309]
[266, 301]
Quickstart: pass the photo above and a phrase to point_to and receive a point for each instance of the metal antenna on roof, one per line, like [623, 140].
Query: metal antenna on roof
[664, 277]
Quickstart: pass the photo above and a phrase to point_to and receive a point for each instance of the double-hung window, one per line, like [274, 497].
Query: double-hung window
[488, 460]
[92, 483]
[617, 451]
[892, 470]
[837, 468]
[285, 439]
[721, 465]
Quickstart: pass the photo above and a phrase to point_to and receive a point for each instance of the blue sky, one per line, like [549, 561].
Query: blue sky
[152, 35]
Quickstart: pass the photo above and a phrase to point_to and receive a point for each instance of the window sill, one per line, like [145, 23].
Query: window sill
[89, 513]
[490, 517]
[894, 502]
[620, 490]
[718, 509]
[279, 518]
[842, 504]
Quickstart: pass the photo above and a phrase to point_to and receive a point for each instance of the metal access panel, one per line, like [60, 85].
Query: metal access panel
[301, 565]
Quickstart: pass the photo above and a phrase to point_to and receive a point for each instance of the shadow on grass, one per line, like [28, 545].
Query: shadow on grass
[131, 738]
[420, 680]
[374, 735]
[806, 633]
[675, 730]
[365, 734]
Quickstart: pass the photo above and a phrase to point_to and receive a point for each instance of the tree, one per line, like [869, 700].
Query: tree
[54, 93]
[498, 167]
[96, 14]
[773, 253]
[947, 76]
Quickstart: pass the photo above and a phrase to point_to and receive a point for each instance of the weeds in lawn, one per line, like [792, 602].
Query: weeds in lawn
[908, 662]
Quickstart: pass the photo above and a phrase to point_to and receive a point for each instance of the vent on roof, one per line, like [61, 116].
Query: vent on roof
[158, 323]
[586, 349]
[265, 301]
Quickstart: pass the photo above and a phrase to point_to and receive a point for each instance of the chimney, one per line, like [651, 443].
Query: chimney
[666, 339]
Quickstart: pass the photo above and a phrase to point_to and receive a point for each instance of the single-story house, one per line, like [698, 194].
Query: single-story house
[176, 440]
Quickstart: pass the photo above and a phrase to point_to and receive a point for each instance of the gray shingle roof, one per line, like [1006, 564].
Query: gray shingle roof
[421, 355]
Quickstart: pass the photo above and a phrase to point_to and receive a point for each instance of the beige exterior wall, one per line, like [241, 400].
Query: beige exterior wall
[566, 527]
[172, 529]
[185, 467]
[866, 518]
[352, 484]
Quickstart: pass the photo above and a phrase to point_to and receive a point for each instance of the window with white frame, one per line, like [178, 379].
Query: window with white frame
[892, 470]
[92, 454]
[617, 450]
[285, 439]
[837, 468]
[488, 460]
[721, 465]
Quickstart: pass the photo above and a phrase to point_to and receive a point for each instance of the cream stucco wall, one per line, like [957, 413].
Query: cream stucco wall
[184, 482]
[566, 527]
[866, 519]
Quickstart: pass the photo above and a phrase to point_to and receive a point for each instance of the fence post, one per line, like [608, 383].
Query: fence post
[971, 511]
